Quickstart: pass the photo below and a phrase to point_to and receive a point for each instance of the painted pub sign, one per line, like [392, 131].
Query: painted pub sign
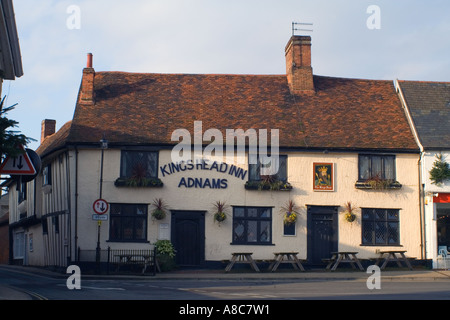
[323, 176]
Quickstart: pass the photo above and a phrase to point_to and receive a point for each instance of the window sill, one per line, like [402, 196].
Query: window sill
[274, 186]
[129, 241]
[381, 246]
[252, 244]
[378, 185]
[143, 183]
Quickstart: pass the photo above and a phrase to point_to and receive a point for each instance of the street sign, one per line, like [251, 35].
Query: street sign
[100, 217]
[100, 206]
[19, 166]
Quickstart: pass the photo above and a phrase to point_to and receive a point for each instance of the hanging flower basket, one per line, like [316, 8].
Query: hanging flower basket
[159, 212]
[349, 214]
[290, 218]
[220, 214]
[350, 217]
[289, 212]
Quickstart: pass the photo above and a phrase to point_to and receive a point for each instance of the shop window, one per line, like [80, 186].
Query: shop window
[443, 228]
[252, 225]
[128, 222]
[380, 227]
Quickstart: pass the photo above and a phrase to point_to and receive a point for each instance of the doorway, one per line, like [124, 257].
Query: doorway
[322, 233]
[188, 237]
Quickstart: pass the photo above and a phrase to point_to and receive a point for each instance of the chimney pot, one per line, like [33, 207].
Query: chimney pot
[48, 127]
[89, 60]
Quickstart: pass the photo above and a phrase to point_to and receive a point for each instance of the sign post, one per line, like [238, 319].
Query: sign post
[100, 207]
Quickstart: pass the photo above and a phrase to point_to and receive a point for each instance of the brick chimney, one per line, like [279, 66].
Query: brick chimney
[48, 127]
[87, 83]
[298, 65]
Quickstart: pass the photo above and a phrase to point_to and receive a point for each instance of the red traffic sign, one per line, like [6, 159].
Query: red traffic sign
[20, 165]
[100, 206]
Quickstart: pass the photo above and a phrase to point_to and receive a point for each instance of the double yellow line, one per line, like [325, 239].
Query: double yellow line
[34, 295]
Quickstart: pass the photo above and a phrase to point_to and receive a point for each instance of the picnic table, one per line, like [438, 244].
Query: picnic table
[133, 258]
[242, 257]
[286, 257]
[343, 257]
[393, 256]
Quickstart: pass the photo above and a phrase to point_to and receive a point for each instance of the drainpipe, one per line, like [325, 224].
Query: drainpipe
[423, 242]
[69, 240]
[76, 204]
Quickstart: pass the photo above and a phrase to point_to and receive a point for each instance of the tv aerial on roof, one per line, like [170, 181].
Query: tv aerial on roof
[295, 28]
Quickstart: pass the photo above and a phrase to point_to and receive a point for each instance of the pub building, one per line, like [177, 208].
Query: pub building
[340, 142]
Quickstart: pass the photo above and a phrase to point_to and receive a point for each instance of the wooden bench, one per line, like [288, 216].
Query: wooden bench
[343, 257]
[144, 258]
[397, 256]
[286, 257]
[241, 257]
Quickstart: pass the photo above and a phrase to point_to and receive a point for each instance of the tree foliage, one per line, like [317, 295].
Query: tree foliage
[10, 138]
[440, 171]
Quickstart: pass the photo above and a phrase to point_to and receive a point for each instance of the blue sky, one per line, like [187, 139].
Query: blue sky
[211, 36]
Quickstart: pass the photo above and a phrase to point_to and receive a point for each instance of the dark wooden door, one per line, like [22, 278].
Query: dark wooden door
[188, 237]
[322, 233]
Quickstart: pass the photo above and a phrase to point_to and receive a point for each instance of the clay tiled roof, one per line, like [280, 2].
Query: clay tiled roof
[429, 106]
[135, 108]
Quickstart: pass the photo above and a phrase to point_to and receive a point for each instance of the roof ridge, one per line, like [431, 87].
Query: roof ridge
[424, 81]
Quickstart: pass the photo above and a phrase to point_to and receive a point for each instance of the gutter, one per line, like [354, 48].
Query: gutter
[11, 28]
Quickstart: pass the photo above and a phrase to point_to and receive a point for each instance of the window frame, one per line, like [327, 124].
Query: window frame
[22, 192]
[383, 165]
[246, 218]
[290, 230]
[123, 169]
[47, 175]
[373, 221]
[258, 170]
[19, 245]
[119, 217]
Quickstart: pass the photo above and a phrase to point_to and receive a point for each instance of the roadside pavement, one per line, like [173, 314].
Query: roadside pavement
[393, 274]
[417, 274]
